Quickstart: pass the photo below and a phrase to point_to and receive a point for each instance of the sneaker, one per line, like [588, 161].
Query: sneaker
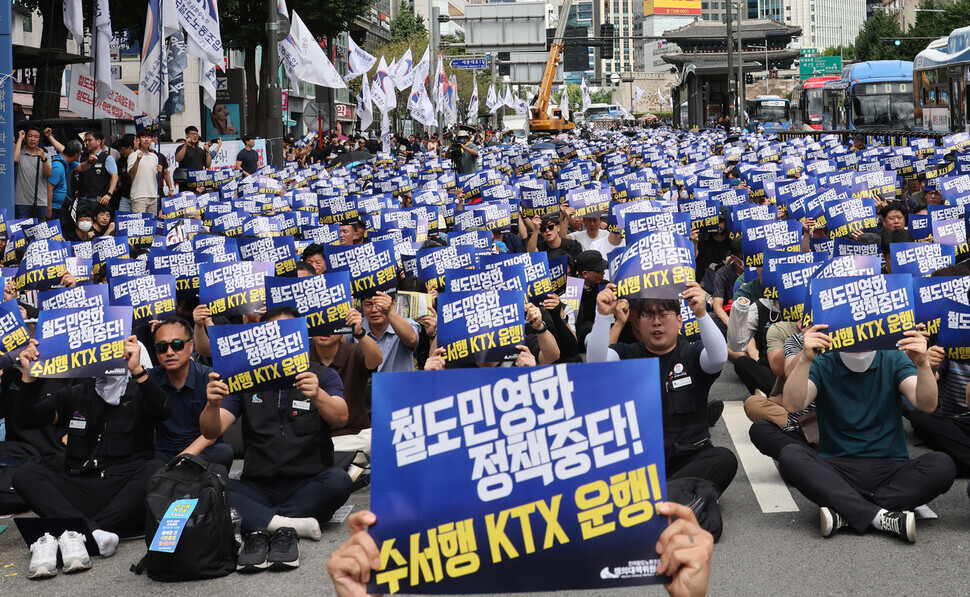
[74, 554]
[831, 521]
[714, 410]
[902, 524]
[43, 558]
[253, 554]
[284, 550]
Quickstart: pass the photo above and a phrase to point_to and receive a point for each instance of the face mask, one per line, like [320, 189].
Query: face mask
[858, 362]
[84, 226]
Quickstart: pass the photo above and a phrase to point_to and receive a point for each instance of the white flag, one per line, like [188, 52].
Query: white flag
[521, 107]
[419, 105]
[358, 60]
[364, 109]
[314, 67]
[587, 100]
[509, 98]
[492, 102]
[207, 81]
[290, 60]
[281, 9]
[421, 70]
[153, 73]
[404, 71]
[200, 19]
[473, 101]
[102, 49]
[564, 103]
[386, 85]
[74, 20]
[439, 84]
[660, 96]
[639, 94]
[622, 110]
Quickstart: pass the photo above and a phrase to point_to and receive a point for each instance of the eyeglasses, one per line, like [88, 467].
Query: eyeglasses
[549, 228]
[661, 316]
[177, 346]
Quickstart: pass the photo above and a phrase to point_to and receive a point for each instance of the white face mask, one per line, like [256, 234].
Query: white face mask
[858, 362]
[84, 226]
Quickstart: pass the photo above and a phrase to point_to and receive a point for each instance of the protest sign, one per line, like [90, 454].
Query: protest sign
[13, 332]
[434, 262]
[537, 279]
[791, 281]
[79, 267]
[278, 251]
[780, 235]
[642, 223]
[920, 259]
[184, 266]
[656, 265]
[257, 356]
[481, 326]
[76, 297]
[558, 270]
[954, 334]
[864, 312]
[121, 266]
[508, 277]
[538, 202]
[233, 288]
[372, 266]
[43, 265]
[590, 472]
[573, 293]
[589, 203]
[851, 215]
[86, 342]
[151, 297]
[930, 293]
[323, 300]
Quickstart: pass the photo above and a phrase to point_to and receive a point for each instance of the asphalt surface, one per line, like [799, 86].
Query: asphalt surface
[770, 554]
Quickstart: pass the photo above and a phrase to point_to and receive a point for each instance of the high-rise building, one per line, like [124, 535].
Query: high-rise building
[623, 14]
[826, 23]
[660, 16]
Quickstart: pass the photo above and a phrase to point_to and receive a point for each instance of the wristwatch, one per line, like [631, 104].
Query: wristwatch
[363, 333]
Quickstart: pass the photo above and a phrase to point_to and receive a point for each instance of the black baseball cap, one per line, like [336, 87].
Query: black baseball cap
[591, 261]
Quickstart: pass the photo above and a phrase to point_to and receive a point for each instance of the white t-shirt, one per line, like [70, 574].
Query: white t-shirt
[145, 182]
[601, 243]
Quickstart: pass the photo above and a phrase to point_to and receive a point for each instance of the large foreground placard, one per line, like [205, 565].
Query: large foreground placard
[508, 479]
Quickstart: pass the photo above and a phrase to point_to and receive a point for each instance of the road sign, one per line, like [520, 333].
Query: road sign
[773, 74]
[469, 63]
[810, 66]
[809, 52]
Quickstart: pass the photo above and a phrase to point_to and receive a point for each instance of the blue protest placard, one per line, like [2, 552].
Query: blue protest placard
[558, 271]
[851, 215]
[323, 300]
[507, 277]
[952, 233]
[855, 265]
[337, 209]
[107, 247]
[327, 234]
[538, 202]
[642, 223]
[537, 278]
[13, 332]
[87, 342]
[434, 262]
[255, 356]
[656, 265]
[234, 288]
[87, 296]
[43, 265]
[372, 266]
[864, 312]
[779, 235]
[591, 495]
[773, 259]
[704, 215]
[151, 297]
[484, 216]
[791, 281]
[931, 294]
[120, 266]
[920, 259]
[573, 293]
[184, 266]
[589, 203]
[481, 326]
[170, 527]
[481, 240]
[278, 251]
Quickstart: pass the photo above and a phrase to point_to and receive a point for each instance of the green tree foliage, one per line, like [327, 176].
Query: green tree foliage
[603, 96]
[847, 52]
[870, 44]
[407, 25]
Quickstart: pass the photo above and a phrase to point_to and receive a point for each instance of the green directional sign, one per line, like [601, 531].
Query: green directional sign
[810, 66]
[809, 52]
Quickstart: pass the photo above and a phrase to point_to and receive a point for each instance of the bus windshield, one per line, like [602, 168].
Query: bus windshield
[889, 110]
[770, 111]
[815, 107]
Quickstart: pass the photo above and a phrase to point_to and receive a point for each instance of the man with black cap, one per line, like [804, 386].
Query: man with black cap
[591, 267]
[551, 242]
[464, 152]
[713, 247]
[352, 232]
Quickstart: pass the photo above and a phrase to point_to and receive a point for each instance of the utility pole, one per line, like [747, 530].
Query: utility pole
[740, 71]
[730, 62]
[274, 97]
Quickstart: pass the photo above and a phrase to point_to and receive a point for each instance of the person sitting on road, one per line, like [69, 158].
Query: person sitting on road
[862, 475]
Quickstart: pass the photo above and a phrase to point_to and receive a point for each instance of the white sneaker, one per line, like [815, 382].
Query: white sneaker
[73, 552]
[43, 559]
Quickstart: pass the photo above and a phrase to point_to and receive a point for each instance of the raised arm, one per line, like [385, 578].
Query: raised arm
[799, 390]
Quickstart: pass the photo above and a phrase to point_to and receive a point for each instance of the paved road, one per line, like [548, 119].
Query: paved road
[771, 546]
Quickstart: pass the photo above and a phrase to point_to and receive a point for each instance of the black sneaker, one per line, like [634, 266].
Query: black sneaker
[284, 550]
[831, 521]
[253, 554]
[714, 410]
[902, 524]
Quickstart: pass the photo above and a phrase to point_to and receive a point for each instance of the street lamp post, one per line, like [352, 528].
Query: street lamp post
[767, 67]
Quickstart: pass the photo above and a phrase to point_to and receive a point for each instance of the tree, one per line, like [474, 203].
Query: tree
[407, 25]
[603, 96]
[846, 52]
[870, 44]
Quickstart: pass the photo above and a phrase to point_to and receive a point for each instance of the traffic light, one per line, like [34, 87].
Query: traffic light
[607, 33]
[504, 68]
[749, 79]
[706, 92]
[897, 42]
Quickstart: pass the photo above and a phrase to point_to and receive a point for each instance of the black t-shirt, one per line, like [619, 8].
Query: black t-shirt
[318, 155]
[711, 251]
[249, 159]
[194, 158]
[567, 247]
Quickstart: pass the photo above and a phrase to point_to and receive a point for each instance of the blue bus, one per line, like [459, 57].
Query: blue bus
[771, 112]
[939, 83]
[870, 95]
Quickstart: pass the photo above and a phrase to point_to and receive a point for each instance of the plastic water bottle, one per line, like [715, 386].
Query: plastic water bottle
[236, 525]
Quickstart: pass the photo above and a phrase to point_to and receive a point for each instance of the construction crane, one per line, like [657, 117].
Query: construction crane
[541, 122]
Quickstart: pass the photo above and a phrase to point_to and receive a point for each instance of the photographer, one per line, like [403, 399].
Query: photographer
[464, 152]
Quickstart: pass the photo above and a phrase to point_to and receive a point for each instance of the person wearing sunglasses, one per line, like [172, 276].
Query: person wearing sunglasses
[687, 372]
[184, 382]
[552, 242]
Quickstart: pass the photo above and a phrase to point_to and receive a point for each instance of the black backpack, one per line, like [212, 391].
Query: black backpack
[207, 547]
[12, 456]
[701, 496]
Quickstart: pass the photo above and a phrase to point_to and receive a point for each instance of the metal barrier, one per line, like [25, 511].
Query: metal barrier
[892, 138]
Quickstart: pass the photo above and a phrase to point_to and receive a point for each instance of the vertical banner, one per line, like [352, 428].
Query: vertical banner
[6, 108]
[544, 492]
[255, 356]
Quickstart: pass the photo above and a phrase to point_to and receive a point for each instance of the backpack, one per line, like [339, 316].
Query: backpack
[207, 547]
[12, 456]
[699, 495]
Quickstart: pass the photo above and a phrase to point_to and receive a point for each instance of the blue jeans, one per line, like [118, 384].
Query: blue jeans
[125, 205]
[23, 212]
